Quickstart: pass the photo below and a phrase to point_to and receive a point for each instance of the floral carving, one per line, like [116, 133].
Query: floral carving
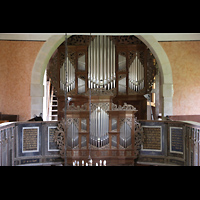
[138, 138]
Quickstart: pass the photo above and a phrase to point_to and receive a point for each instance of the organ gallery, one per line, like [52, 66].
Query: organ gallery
[100, 83]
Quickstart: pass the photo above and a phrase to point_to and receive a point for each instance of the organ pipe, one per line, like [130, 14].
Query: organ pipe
[101, 60]
[92, 63]
[102, 73]
[136, 75]
[97, 62]
[111, 61]
[67, 76]
[113, 64]
[99, 127]
[108, 61]
[93, 78]
[89, 67]
[101, 68]
[104, 59]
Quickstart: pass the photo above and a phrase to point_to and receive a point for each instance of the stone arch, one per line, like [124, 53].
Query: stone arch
[42, 59]
[166, 72]
[45, 53]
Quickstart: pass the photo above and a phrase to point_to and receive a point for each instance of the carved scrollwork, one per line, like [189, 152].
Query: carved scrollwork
[138, 138]
[126, 40]
[78, 108]
[59, 137]
[127, 120]
[101, 92]
[104, 106]
[124, 107]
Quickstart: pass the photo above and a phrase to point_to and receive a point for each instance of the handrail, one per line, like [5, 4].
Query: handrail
[48, 97]
[6, 125]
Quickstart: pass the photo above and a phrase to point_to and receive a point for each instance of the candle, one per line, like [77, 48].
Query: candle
[90, 162]
[82, 162]
[100, 162]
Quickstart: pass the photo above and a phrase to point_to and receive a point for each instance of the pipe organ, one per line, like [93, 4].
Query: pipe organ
[106, 63]
[118, 65]
[102, 75]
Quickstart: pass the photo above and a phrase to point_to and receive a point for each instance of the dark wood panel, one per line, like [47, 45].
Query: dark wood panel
[138, 101]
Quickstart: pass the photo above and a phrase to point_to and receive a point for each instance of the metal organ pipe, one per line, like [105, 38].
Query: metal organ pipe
[89, 67]
[108, 63]
[101, 60]
[112, 64]
[136, 75]
[99, 127]
[67, 77]
[97, 62]
[102, 72]
[105, 63]
[92, 63]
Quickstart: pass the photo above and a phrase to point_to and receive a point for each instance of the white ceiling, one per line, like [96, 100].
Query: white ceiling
[45, 36]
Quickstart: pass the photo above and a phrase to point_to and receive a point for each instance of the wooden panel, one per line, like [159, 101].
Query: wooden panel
[137, 101]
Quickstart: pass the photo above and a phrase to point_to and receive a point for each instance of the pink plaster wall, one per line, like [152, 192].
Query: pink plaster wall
[16, 62]
[17, 59]
[184, 58]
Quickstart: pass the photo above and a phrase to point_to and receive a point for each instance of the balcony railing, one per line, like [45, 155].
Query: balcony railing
[164, 143]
